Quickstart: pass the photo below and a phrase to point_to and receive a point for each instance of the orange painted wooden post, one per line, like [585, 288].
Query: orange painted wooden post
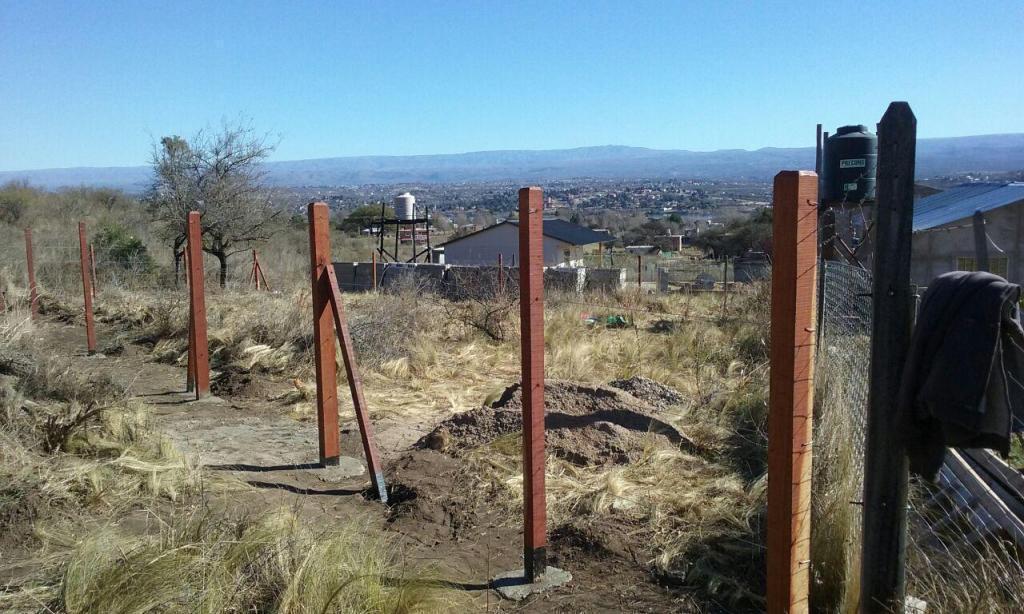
[328, 318]
[33, 290]
[190, 371]
[531, 310]
[791, 394]
[199, 350]
[92, 266]
[90, 325]
[323, 336]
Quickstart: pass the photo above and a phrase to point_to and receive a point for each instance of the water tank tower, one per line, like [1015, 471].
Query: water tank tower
[849, 166]
[405, 206]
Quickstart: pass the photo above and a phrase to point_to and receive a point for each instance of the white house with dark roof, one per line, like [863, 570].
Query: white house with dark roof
[944, 234]
[565, 244]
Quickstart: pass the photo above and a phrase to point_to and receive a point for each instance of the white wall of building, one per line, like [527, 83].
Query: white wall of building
[483, 248]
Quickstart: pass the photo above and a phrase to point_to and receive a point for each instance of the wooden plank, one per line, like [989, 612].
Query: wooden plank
[90, 325]
[323, 335]
[33, 290]
[531, 310]
[883, 558]
[198, 344]
[355, 386]
[791, 389]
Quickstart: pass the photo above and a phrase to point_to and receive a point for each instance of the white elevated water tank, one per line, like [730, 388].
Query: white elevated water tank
[405, 206]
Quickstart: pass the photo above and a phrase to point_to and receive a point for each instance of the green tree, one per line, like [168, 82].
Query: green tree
[738, 236]
[364, 216]
[220, 175]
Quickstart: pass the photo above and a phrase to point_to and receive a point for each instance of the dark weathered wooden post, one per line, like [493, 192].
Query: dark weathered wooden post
[531, 309]
[33, 290]
[639, 271]
[324, 355]
[791, 389]
[980, 243]
[90, 325]
[501, 275]
[817, 153]
[883, 556]
[199, 349]
[92, 266]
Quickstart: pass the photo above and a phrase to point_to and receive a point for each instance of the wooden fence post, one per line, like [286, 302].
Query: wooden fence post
[355, 385]
[883, 556]
[90, 325]
[199, 350]
[323, 336]
[980, 243]
[531, 308]
[190, 372]
[501, 275]
[373, 271]
[254, 276]
[328, 309]
[33, 290]
[791, 389]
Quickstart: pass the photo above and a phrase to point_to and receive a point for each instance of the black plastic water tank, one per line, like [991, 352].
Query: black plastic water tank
[849, 165]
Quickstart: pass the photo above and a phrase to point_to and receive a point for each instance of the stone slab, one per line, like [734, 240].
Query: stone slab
[347, 467]
[513, 585]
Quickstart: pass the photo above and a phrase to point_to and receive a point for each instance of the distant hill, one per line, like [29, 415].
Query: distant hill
[941, 156]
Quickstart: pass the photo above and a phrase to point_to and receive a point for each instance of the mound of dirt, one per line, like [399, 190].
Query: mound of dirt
[650, 391]
[585, 425]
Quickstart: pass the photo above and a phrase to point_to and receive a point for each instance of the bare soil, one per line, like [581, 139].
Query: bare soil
[585, 425]
[439, 510]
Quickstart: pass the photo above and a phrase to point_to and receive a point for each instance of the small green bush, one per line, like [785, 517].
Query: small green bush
[117, 246]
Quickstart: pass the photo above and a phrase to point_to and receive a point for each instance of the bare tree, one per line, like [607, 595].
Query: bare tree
[220, 175]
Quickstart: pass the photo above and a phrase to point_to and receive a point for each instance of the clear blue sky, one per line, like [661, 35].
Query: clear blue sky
[93, 83]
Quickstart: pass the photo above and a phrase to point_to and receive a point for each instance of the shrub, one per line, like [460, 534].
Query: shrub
[119, 247]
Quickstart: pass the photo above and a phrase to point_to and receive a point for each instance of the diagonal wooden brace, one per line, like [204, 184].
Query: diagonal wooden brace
[355, 384]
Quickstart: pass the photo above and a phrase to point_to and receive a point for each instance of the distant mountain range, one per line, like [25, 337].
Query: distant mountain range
[935, 157]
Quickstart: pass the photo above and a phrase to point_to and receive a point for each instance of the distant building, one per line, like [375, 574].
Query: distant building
[669, 243]
[565, 244]
[944, 233]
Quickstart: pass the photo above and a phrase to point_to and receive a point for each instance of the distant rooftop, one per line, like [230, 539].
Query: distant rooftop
[962, 201]
[559, 229]
[568, 232]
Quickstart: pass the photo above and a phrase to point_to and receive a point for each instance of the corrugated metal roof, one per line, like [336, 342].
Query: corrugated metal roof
[571, 233]
[556, 229]
[962, 201]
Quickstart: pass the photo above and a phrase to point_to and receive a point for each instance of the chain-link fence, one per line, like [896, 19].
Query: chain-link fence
[840, 426]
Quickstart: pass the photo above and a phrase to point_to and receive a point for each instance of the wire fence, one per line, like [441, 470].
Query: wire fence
[840, 422]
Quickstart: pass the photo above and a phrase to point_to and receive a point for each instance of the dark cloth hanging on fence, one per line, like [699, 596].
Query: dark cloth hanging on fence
[962, 382]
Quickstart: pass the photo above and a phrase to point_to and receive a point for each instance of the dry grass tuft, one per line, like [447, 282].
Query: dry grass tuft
[202, 563]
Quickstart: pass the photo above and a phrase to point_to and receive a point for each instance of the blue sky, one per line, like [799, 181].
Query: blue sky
[94, 83]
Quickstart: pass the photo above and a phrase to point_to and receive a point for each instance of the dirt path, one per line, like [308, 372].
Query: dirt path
[258, 441]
